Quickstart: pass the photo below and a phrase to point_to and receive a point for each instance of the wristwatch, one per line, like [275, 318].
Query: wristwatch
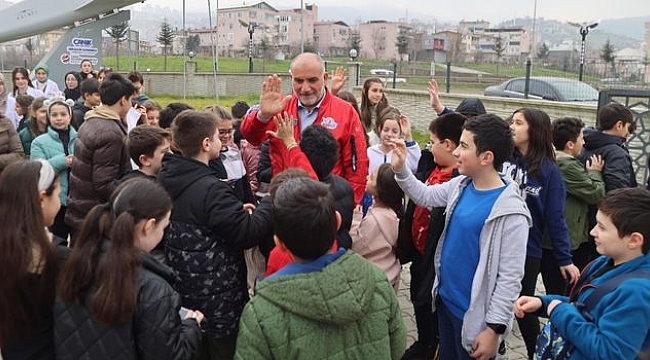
[498, 328]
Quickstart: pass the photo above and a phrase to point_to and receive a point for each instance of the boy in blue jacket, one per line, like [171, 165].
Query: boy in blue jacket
[479, 260]
[620, 324]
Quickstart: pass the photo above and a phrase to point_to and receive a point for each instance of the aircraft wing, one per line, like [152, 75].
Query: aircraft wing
[80, 4]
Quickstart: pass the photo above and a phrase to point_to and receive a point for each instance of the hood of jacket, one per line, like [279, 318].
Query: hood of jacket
[178, 173]
[471, 107]
[103, 112]
[79, 105]
[340, 293]
[595, 139]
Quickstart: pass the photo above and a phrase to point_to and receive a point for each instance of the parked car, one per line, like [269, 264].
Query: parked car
[384, 72]
[546, 88]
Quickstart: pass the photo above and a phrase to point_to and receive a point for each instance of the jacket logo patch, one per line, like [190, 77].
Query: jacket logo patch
[329, 123]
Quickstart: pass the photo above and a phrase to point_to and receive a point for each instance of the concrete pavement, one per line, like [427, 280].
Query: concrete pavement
[514, 342]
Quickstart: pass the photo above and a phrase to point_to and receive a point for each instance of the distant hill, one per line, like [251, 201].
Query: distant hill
[631, 27]
[556, 32]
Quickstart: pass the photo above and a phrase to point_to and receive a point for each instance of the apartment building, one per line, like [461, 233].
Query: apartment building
[274, 31]
[332, 38]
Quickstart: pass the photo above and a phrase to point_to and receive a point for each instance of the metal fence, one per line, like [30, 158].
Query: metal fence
[474, 78]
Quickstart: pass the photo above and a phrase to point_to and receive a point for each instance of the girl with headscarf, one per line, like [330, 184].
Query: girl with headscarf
[72, 90]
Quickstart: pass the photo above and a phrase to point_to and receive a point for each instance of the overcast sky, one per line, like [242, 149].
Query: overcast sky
[455, 10]
[493, 10]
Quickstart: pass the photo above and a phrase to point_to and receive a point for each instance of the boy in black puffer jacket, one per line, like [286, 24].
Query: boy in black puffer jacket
[208, 232]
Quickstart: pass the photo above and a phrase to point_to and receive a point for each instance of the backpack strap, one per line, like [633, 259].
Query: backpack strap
[612, 284]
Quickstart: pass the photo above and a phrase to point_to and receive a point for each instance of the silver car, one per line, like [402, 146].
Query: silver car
[545, 88]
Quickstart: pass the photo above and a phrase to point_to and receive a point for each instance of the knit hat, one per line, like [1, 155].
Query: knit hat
[471, 107]
[42, 67]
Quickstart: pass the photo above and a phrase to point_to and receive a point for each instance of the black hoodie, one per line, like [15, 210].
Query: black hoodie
[79, 110]
[204, 242]
[618, 171]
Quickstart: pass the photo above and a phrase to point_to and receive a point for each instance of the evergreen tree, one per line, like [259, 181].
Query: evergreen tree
[499, 49]
[608, 55]
[354, 41]
[193, 43]
[542, 53]
[165, 38]
[402, 43]
[118, 33]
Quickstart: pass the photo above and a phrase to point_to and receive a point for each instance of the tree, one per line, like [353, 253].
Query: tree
[378, 42]
[193, 43]
[499, 49]
[608, 55]
[165, 38]
[118, 32]
[354, 41]
[29, 45]
[542, 52]
[402, 43]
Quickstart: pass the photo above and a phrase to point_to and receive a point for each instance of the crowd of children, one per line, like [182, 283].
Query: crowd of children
[148, 232]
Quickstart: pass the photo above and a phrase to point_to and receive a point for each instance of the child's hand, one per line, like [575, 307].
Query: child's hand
[434, 97]
[485, 345]
[595, 163]
[196, 315]
[68, 160]
[527, 304]
[570, 273]
[249, 207]
[405, 124]
[284, 126]
[399, 155]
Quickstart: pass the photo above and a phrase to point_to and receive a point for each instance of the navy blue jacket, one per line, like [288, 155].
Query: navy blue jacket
[545, 197]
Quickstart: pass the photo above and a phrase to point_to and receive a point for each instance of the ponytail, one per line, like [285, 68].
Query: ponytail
[114, 301]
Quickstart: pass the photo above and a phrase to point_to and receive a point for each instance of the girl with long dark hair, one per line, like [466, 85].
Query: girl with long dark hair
[114, 299]
[533, 167]
[373, 102]
[29, 201]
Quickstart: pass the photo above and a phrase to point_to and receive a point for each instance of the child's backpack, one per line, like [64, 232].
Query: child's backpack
[550, 344]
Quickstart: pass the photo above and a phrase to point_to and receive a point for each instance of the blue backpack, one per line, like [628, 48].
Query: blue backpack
[550, 344]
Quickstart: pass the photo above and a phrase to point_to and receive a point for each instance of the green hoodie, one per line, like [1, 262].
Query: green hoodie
[583, 188]
[348, 310]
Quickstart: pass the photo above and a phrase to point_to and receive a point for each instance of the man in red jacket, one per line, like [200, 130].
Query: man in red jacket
[311, 104]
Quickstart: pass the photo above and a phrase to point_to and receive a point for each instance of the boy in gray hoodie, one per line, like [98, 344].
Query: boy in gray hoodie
[479, 261]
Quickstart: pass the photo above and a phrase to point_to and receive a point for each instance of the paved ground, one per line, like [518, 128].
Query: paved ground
[515, 343]
[516, 347]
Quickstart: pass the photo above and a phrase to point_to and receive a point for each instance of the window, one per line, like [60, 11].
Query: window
[542, 89]
[252, 14]
[516, 85]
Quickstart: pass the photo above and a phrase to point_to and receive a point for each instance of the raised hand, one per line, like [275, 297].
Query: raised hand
[405, 124]
[339, 78]
[271, 99]
[284, 129]
[434, 97]
[399, 155]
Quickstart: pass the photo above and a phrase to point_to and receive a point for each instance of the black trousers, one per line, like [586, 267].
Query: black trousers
[529, 324]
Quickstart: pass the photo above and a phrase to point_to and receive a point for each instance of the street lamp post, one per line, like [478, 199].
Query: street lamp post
[353, 57]
[251, 30]
[584, 30]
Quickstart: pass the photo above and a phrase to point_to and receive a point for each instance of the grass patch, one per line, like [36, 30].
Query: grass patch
[201, 103]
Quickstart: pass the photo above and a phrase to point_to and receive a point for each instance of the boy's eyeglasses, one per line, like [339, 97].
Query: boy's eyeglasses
[430, 144]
